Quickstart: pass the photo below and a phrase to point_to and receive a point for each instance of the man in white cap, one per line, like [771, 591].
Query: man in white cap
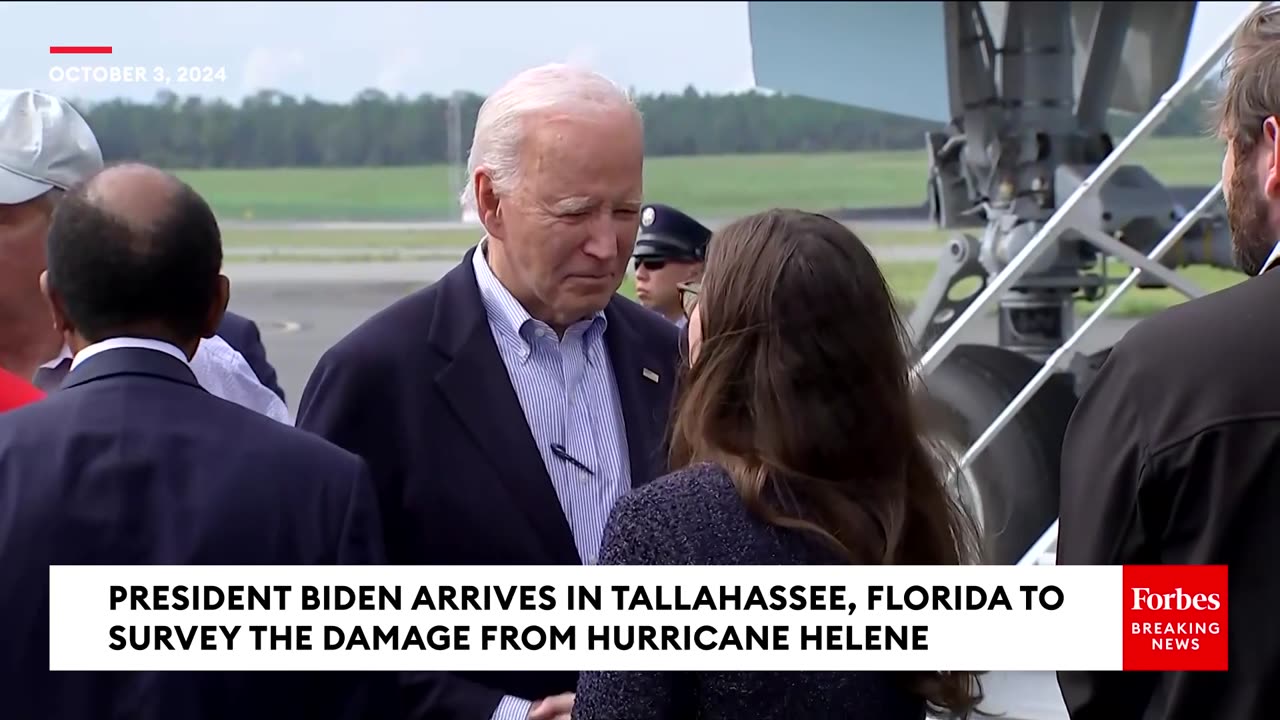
[47, 148]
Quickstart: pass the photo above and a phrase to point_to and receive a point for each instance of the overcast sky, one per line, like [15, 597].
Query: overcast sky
[333, 50]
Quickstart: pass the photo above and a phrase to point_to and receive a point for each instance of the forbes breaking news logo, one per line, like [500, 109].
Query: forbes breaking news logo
[1175, 617]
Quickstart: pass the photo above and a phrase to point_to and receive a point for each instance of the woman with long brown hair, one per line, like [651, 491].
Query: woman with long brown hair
[799, 442]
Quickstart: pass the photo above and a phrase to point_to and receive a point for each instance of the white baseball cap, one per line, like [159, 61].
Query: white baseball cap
[44, 143]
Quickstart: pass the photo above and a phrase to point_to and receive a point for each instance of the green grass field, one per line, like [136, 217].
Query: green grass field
[909, 280]
[708, 186]
[711, 187]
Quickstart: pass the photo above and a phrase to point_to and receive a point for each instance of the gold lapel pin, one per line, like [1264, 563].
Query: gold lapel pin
[650, 375]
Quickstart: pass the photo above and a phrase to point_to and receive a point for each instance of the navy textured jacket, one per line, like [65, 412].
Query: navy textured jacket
[696, 517]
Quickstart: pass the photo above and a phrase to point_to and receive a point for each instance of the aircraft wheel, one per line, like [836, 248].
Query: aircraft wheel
[1012, 487]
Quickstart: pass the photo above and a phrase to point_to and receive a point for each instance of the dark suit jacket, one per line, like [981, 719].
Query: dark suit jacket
[133, 463]
[1172, 458]
[242, 334]
[420, 391]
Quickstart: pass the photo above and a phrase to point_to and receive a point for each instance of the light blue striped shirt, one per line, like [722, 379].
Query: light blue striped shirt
[569, 396]
[567, 389]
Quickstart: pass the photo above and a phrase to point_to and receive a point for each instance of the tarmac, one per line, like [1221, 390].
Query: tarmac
[884, 218]
[305, 299]
[399, 255]
[303, 308]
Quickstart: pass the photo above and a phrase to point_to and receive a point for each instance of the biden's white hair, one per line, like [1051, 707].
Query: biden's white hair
[501, 127]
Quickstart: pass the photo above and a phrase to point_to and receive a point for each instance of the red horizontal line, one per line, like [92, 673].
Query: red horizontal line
[79, 49]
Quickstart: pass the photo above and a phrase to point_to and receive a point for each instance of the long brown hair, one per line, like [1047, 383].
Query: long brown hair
[802, 389]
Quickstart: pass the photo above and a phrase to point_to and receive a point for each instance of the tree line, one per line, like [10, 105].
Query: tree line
[274, 129]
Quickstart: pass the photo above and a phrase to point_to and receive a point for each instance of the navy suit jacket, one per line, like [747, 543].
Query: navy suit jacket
[421, 393]
[133, 463]
[242, 334]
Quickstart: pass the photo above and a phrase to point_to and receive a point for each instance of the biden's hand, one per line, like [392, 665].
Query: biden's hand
[556, 707]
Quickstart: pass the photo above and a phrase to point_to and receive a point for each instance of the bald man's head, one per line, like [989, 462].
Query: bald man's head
[136, 251]
[138, 195]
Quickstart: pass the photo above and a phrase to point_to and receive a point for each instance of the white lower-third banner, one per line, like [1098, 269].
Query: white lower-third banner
[633, 618]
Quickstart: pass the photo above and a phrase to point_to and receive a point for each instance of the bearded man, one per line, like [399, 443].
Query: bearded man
[1173, 454]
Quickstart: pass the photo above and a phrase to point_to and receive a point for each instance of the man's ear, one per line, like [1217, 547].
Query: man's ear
[218, 308]
[57, 309]
[1271, 155]
[488, 204]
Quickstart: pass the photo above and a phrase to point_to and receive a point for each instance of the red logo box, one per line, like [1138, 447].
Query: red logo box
[1175, 617]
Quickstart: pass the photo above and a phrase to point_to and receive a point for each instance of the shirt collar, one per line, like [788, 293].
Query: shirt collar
[512, 320]
[128, 342]
[1275, 254]
[64, 354]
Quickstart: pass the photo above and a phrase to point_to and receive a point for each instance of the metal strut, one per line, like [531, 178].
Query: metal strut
[1061, 220]
[1050, 536]
[1058, 222]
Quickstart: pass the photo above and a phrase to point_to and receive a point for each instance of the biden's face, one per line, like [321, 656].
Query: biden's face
[567, 231]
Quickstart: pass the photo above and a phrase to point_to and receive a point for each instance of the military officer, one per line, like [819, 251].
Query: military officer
[668, 252]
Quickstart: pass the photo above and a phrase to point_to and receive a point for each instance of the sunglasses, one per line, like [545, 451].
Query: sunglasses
[689, 297]
[650, 264]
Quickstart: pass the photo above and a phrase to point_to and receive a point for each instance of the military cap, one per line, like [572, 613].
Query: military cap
[667, 233]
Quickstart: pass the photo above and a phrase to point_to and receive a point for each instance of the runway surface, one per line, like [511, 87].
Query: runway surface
[304, 308]
[431, 256]
[903, 217]
[884, 223]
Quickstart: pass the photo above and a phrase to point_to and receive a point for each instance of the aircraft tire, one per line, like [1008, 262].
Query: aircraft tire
[1016, 478]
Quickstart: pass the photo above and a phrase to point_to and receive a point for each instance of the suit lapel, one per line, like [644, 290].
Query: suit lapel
[638, 386]
[476, 387]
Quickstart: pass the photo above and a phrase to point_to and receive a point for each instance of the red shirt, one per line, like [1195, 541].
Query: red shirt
[15, 392]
